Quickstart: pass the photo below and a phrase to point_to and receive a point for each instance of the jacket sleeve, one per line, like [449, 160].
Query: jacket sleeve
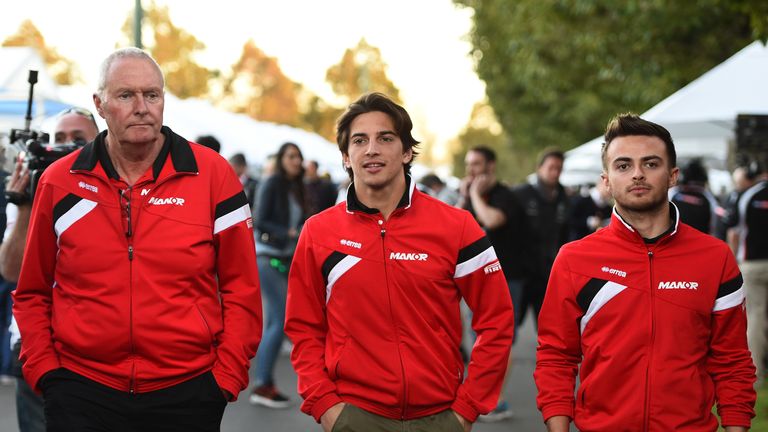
[559, 344]
[307, 327]
[729, 362]
[33, 296]
[238, 285]
[482, 284]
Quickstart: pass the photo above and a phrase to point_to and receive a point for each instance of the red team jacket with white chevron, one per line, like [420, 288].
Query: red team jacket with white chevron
[373, 310]
[140, 303]
[656, 331]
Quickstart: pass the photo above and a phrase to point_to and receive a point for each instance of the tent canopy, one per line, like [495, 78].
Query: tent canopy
[700, 116]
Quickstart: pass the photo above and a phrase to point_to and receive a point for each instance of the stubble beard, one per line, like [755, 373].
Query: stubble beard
[642, 207]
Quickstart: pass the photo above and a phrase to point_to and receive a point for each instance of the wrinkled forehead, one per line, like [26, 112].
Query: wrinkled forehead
[133, 72]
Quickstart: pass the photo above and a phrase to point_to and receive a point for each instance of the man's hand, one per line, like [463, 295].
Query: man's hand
[464, 422]
[227, 395]
[480, 185]
[328, 419]
[558, 423]
[19, 181]
[735, 429]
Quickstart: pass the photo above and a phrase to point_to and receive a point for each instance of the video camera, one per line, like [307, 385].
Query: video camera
[37, 152]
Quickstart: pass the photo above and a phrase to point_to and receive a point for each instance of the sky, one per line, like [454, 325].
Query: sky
[424, 43]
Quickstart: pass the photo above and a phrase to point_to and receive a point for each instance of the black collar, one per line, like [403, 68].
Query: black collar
[353, 204]
[178, 147]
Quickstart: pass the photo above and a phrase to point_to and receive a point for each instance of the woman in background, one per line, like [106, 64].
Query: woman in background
[281, 211]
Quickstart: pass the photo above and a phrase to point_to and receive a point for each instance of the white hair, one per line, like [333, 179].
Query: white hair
[130, 52]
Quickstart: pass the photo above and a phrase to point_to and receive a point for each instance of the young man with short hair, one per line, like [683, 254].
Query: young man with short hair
[374, 290]
[649, 311]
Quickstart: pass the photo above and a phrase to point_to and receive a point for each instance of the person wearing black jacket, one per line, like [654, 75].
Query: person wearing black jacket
[281, 211]
[501, 216]
[547, 208]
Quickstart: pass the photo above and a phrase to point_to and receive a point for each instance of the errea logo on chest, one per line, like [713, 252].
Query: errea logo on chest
[408, 256]
[681, 285]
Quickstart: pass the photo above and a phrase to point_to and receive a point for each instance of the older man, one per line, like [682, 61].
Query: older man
[138, 300]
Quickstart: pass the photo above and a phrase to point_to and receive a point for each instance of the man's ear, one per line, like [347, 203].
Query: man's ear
[408, 156]
[98, 104]
[674, 174]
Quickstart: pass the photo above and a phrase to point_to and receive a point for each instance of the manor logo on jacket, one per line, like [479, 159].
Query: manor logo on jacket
[408, 256]
[679, 285]
[165, 201]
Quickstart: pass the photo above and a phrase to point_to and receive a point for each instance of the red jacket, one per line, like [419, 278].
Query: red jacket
[373, 310]
[658, 330]
[141, 312]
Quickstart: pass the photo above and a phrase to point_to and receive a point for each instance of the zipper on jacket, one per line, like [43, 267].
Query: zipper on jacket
[394, 322]
[126, 195]
[646, 413]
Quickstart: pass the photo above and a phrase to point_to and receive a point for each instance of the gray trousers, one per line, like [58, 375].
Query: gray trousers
[354, 419]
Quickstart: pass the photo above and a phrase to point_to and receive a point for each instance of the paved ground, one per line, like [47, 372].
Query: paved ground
[240, 416]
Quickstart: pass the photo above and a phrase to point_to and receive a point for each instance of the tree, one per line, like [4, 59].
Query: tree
[62, 70]
[319, 116]
[484, 129]
[361, 70]
[258, 87]
[557, 70]
[174, 50]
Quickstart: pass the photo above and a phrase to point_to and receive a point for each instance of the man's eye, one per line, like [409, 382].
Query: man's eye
[124, 96]
[622, 167]
[651, 164]
[387, 138]
[357, 140]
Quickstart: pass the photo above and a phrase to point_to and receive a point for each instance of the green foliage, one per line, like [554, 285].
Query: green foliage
[483, 129]
[557, 70]
[760, 422]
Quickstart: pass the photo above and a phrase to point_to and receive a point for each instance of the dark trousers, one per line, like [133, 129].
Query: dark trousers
[74, 403]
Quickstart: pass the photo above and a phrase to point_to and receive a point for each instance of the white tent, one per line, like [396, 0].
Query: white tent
[15, 64]
[701, 116]
[191, 118]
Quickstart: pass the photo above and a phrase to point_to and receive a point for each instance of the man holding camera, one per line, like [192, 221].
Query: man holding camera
[138, 299]
[74, 125]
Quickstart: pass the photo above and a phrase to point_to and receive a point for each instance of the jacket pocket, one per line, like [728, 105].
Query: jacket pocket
[335, 359]
[206, 327]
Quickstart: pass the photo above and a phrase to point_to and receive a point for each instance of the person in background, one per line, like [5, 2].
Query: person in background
[436, 187]
[547, 208]
[750, 225]
[743, 179]
[497, 210]
[282, 209]
[250, 184]
[374, 291]
[72, 125]
[698, 207]
[321, 193]
[648, 311]
[590, 211]
[209, 141]
[138, 298]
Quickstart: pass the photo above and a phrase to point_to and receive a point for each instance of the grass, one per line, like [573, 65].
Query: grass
[760, 422]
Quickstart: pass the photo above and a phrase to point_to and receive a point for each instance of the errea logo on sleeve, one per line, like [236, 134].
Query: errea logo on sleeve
[679, 285]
